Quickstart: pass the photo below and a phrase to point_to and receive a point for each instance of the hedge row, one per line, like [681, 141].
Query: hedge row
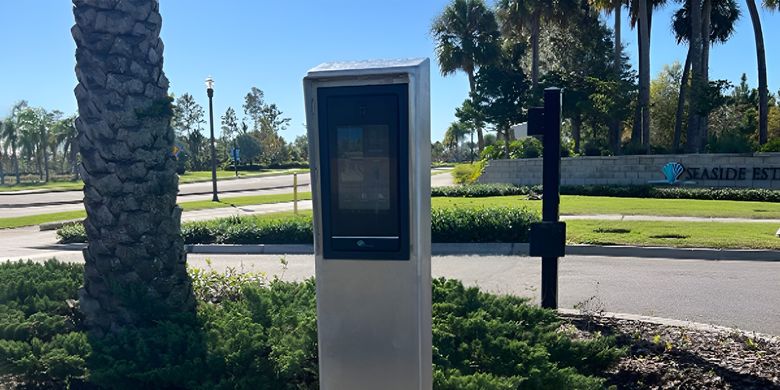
[738, 194]
[263, 335]
[447, 225]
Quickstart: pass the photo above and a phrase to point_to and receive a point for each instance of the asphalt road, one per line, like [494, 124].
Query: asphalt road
[22, 204]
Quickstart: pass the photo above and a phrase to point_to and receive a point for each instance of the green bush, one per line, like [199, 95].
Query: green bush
[496, 224]
[483, 190]
[468, 173]
[736, 194]
[447, 225]
[71, 233]
[39, 336]
[265, 337]
[771, 146]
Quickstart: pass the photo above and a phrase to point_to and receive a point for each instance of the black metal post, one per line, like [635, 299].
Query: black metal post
[551, 186]
[214, 198]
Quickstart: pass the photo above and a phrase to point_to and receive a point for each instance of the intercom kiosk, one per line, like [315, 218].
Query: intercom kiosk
[369, 146]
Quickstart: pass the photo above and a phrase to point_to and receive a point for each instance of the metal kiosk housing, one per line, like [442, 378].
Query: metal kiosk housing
[372, 240]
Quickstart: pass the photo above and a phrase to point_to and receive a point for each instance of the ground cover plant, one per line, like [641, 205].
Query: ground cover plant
[257, 332]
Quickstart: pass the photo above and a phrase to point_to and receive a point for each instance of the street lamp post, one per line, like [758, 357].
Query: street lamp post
[210, 92]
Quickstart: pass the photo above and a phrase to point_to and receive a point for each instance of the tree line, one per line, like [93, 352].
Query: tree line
[513, 51]
[37, 144]
[256, 135]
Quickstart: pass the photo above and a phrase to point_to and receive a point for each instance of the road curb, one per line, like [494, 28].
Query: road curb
[517, 249]
[700, 326]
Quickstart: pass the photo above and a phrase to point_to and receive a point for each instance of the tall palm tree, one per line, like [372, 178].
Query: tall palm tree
[66, 137]
[641, 14]
[467, 37]
[613, 7]
[695, 142]
[11, 136]
[763, 90]
[454, 135]
[723, 17]
[520, 17]
[134, 272]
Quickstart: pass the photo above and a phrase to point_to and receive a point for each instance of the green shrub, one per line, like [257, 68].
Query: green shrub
[736, 194]
[771, 146]
[71, 233]
[496, 224]
[447, 225]
[265, 337]
[39, 337]
[468, 173]
[485, 341]
[483, 190]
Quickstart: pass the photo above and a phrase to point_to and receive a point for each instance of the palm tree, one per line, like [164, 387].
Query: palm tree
[134, 272]
[723, 17]
[454, 135]
[613, 7]
[518, 17]
[763, 90]
[11, 137]
[64, 135]
[641, 13]
[467, 38]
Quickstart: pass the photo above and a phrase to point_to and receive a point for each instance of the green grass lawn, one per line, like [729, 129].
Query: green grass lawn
[52, 185]
[585, 205]
[188, 177]
[199, 176]
[747, 235]
[8, 223]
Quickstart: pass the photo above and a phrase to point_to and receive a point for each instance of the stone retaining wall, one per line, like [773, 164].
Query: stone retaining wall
[759, 170]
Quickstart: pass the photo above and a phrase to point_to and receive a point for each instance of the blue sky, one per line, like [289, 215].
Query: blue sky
[271, 45]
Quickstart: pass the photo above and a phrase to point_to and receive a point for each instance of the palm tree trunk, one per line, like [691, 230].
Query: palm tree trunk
[576, 131]
[644, 71]
[678, 118]
[16, 160]
[2, 171]
[472, 89]
[614, 125]
[763, 91]
[535, 32]
[506, 143]
[618, 34]
[134, 273]
[695, 142]
[706, 25]
[45, 159]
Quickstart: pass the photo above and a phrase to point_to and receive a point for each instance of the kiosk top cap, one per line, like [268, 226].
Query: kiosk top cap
[368, 67]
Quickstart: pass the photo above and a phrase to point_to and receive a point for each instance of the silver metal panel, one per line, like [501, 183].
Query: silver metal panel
[374, 317]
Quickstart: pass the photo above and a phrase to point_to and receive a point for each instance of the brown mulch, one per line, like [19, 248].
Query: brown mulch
[674, 357]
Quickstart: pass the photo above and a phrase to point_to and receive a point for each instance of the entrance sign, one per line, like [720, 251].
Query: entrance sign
[369, 146]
